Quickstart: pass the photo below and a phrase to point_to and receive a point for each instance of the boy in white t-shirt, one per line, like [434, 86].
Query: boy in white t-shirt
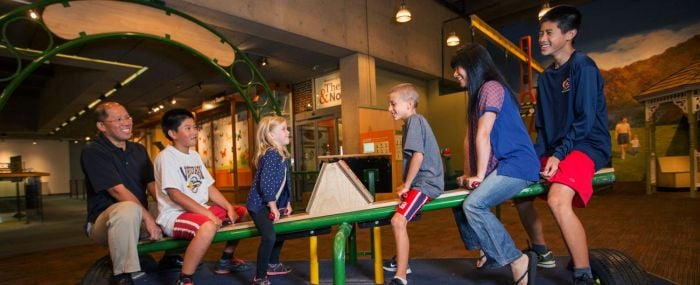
[184, 186]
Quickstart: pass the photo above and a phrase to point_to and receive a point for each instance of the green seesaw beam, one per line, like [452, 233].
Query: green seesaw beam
[378, 211]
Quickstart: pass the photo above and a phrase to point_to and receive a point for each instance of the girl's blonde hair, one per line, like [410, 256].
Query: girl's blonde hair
[263, 138]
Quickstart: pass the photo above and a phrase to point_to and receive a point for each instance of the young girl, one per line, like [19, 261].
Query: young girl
[501, 158]
[270, 194]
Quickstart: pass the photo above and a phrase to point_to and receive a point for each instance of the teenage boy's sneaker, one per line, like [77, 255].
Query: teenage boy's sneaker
[278, 269]
[226, 266]
[584, 279]
[390, 265]
[546, 260]
[396, 281]
[261, 281]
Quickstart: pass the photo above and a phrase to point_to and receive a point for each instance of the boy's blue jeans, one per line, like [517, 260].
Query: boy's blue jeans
[481, 229]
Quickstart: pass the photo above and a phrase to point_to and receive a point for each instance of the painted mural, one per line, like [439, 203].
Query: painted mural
[635, 43]
[204, 144]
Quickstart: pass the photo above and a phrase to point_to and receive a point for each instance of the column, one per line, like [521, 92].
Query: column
[358, 85]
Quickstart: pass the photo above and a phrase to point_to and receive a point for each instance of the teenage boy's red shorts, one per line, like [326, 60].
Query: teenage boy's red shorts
[412, 203]
[576, 170]
[187, 224]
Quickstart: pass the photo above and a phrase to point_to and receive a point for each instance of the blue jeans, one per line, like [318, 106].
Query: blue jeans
[481, 229]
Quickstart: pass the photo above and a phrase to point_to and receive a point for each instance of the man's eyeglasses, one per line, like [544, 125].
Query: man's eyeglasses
[126, 118]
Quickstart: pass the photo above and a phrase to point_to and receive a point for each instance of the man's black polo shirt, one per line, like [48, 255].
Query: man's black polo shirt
[106, 165]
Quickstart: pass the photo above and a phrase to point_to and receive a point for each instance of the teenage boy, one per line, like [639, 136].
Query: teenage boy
[572, 131]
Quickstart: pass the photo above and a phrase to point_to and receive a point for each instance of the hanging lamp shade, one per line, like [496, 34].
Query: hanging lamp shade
[452, 40]
[403, 15]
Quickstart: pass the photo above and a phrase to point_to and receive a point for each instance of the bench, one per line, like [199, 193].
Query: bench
[674, 172]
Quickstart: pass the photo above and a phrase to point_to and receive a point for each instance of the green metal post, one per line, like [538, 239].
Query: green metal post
[352, 245]
[339, 253]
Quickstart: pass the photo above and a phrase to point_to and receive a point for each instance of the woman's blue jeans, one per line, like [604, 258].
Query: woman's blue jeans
[481, 229]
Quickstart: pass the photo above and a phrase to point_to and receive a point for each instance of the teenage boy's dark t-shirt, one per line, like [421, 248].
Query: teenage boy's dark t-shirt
[419, 137]
[106, 165]
[571, 111]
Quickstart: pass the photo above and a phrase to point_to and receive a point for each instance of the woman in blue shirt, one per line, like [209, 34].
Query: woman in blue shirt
[501, 157]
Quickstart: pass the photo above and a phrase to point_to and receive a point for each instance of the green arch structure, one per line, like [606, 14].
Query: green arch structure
[22, 72]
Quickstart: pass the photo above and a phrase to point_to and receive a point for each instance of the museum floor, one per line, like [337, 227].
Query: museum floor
[660, 231]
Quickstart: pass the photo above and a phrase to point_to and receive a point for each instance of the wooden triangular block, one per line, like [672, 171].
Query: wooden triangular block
[337, 190]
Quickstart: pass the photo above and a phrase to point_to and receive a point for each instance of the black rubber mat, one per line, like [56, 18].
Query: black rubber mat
[425, 271]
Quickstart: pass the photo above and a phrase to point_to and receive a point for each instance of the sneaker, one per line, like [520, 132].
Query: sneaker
[584, 279]
[138, 275]
[184, 281]
[546, 260]
[168, 262]
[390, 265]
[396, 281]
[121, 279]
[278, 269]
[261, 281]
[226, 266]
[172, 262]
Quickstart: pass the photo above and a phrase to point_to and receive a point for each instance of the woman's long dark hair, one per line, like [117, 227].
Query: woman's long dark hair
[477, 62]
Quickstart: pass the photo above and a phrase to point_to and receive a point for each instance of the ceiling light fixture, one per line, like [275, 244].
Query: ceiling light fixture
[544, 10]
[173, 101]
[403, 15]
[452, 40]
[263, 61]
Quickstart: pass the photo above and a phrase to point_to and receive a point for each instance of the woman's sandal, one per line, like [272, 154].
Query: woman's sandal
[531, 269]
[479, 260]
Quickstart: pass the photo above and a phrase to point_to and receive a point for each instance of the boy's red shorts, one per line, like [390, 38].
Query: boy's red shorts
[576, 170]
[412, 203]
[187, 224]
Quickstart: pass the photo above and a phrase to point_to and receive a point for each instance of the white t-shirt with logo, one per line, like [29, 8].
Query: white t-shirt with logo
[185, 172]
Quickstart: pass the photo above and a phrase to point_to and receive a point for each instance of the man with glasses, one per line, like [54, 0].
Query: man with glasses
[118, 172]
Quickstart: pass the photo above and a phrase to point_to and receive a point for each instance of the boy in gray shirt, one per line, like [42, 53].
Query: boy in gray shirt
[422, 176]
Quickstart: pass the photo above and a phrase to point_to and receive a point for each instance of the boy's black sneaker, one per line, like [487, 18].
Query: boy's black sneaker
[390, 265]
[396, 281]
[584, 279]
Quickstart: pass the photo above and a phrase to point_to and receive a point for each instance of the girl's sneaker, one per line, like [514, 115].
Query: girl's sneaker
[278, 269]
[261, 281]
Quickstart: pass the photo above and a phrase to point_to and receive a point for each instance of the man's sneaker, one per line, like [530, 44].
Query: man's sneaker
[584, 279]
[226, 266]
[184, 281]
[261, 281]
[390, 265]
[138, 275]
[278, 269]
[546, 260]
[121, 279]
[396, 281]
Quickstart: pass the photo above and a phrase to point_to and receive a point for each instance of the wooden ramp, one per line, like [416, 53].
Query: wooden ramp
[337, 190]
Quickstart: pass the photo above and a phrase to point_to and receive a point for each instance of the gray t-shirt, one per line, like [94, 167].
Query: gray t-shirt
[418, 137]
